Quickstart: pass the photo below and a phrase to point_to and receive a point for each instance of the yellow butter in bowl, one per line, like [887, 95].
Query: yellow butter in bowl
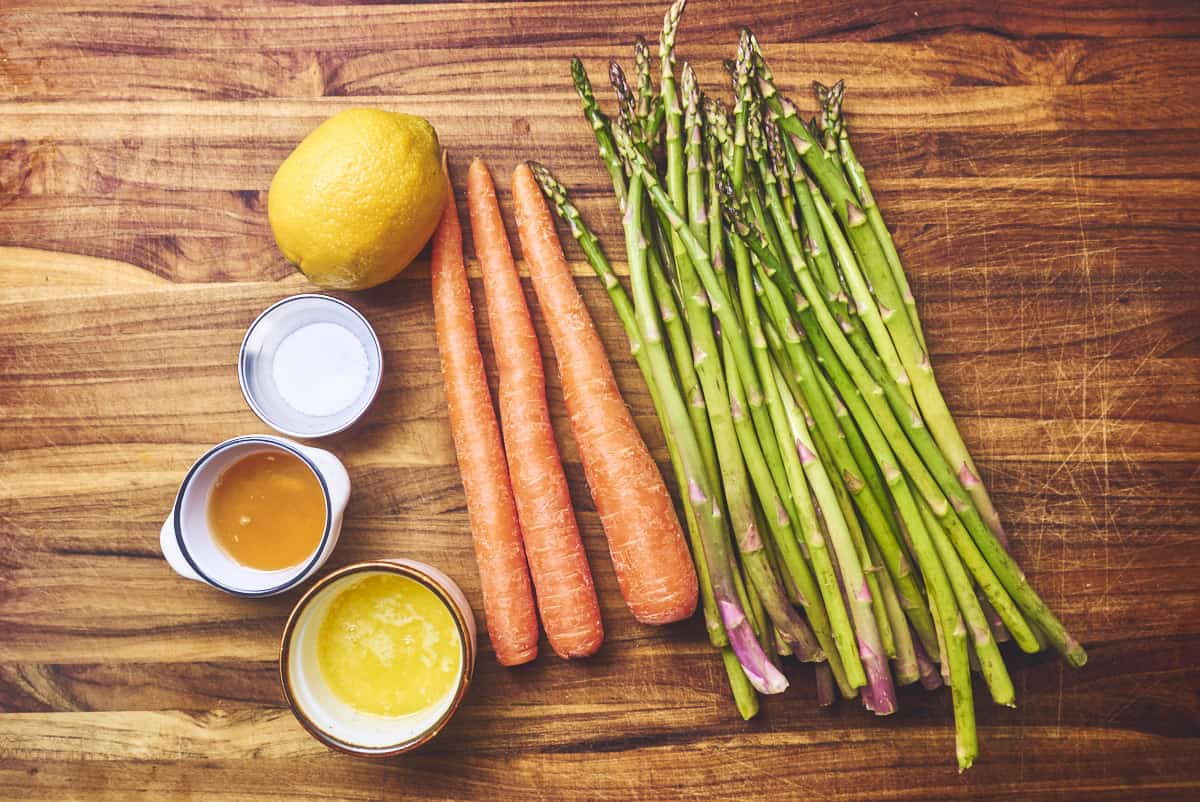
[377, 656]
[389, 646]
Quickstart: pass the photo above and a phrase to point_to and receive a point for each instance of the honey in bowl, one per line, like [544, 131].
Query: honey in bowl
[267, 511]
[389, 646]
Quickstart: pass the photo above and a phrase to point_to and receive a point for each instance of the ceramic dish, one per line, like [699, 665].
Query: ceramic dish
[331, 720]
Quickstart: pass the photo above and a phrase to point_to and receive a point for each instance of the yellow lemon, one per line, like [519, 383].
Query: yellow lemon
[358, 199]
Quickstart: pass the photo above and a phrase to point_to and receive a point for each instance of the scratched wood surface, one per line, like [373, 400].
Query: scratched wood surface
[1037, 163]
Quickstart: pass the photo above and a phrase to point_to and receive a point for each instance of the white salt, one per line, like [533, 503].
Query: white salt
[320, 369]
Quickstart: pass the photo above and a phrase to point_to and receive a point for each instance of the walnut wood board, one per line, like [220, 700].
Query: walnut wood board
[1037, 163]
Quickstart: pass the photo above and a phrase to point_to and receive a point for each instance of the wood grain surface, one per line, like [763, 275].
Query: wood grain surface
[1037, 162]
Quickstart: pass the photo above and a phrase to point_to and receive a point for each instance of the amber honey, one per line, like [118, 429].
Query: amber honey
[267, 511]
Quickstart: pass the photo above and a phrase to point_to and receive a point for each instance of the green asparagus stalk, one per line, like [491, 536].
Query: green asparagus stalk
[627, 102]
[600, 129]
[744, 696]
[946, 614]
[991, 662]
[697, 203]
[995, 673]
[755, 184]
[959, 678]
[707, 361]
[827, 426]
[828, 174]
[783, 173]
[829, 98]
[940, 486]
[864, 304]
[907, 668]
[751, 604]
[645, 90]
[862, 190]
[720, 306]
[712, 158]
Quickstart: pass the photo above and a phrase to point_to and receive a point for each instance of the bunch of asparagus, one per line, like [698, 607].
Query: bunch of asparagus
[833, 509]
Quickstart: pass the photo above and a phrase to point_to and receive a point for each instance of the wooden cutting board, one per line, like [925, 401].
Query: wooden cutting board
[1037, 164]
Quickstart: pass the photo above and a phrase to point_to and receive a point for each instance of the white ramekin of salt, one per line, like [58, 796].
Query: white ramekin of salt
[310, 365]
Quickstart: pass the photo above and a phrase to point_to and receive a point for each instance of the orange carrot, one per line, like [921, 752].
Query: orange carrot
[653, 566]
[565, 593]
[504, 576]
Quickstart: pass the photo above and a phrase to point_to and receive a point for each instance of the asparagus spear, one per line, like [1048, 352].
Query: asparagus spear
[937, 482]
[864, 304]
[834, 439]
[829, 176]
[720, 306]
[829, 98]
[706, 359]
[645, 89]
[946, 614]
[862, 190]
[627, 102]
[697, 207]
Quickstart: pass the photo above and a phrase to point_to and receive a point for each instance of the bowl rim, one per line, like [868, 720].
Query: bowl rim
[411, 571]
[310, 564]
[262, 413]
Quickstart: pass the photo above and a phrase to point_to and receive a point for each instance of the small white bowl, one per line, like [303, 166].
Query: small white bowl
[265, 340]
[332, 721]
[187, 542]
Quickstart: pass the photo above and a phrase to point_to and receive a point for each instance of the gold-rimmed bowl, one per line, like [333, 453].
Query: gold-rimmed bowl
[335, 723]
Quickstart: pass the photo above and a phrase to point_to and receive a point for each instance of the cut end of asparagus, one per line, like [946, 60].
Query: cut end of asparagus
[1075, 653]
[761, 672]
[825, 692]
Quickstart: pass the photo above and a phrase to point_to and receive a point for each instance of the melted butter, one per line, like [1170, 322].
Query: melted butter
[389, 646]
[267, 511]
